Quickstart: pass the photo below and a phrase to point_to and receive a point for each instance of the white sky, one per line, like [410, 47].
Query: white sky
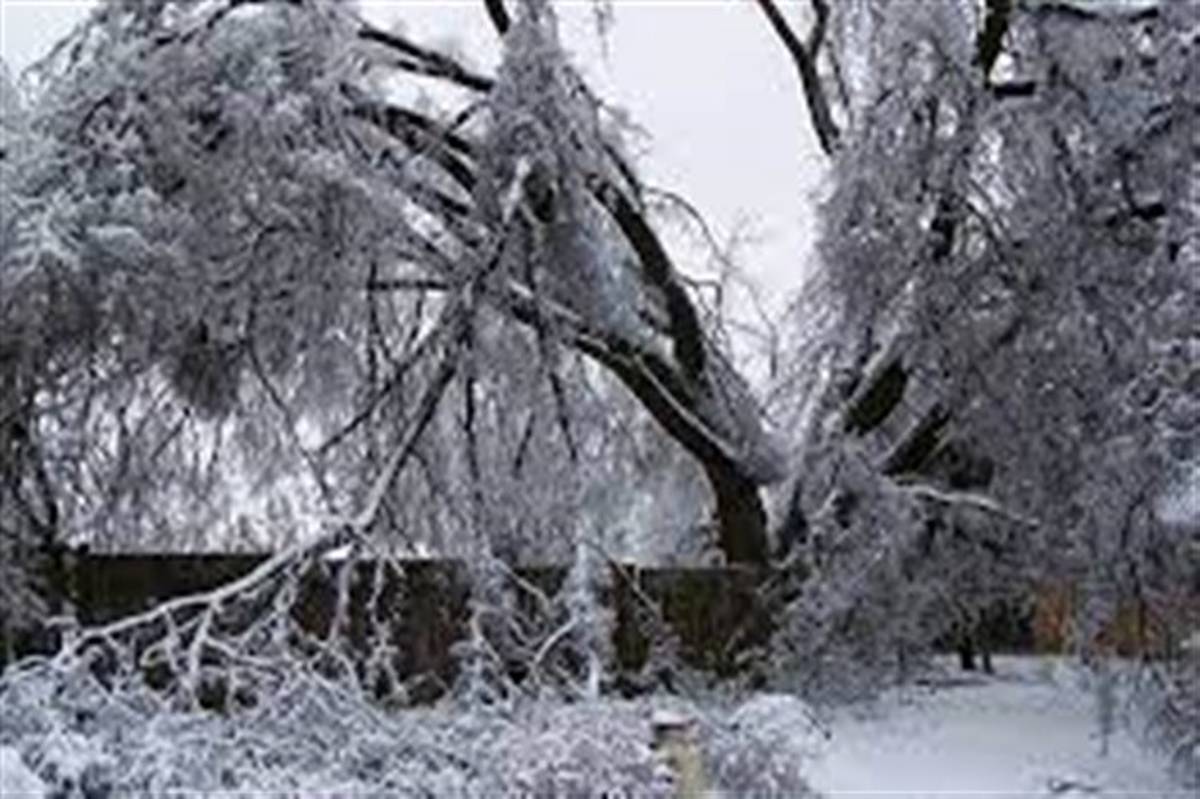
[705, 78]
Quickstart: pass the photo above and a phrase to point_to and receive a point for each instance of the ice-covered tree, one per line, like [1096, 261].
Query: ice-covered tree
[263, 229]
[1011, 248]
[403, 302]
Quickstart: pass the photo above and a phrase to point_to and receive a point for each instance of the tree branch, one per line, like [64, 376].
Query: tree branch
[969, 499]
[418, 60]
[498, 15]
[686, 332]
[420, 134]
[674, 389]
[804, 58]
[816, 36]
[408, 284]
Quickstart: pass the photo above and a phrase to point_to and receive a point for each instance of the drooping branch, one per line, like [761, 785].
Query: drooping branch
[420, 134]
[684, 327]
[804, 57]
[449, 150]
[686, 333]
[421, 61]
[673, 390]
[339, 529]
[674, 377]
[674, 404]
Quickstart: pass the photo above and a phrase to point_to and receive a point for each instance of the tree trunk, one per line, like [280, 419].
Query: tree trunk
[741, 517]
[667, 397]
[966, 651]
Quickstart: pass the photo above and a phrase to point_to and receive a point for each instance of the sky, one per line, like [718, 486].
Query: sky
[714, 91]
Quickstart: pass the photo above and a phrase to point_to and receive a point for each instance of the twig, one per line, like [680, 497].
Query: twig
[804, 59]
[971, 499]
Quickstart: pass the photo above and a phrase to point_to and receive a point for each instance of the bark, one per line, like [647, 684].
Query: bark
[741, 517]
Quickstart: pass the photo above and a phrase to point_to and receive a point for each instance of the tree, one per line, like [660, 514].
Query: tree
[1010, 244]
[246, 155]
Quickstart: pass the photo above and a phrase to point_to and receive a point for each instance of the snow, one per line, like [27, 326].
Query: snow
[16, 780]
[780, 717]
[1029, 731]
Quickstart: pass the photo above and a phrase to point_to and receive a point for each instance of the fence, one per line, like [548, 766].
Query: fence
[713, 615]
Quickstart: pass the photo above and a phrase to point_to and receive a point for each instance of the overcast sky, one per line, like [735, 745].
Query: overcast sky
[705, 79]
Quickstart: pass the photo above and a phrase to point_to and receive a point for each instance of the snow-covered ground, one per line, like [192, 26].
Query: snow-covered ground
[1029, 731]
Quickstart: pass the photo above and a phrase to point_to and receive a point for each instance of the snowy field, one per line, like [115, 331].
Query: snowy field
[1029, 731]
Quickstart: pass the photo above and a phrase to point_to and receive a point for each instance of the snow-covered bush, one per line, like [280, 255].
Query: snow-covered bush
[1169, 700]
[317, 738]
[15, 777]
[766, 746]
[598, 748]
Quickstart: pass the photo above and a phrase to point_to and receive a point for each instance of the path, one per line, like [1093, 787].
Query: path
[1028, 732]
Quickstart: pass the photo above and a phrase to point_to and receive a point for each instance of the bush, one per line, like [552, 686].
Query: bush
[1171, 713]
[314, 737]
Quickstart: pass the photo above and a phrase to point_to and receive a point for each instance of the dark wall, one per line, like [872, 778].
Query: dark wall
[711, 615]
